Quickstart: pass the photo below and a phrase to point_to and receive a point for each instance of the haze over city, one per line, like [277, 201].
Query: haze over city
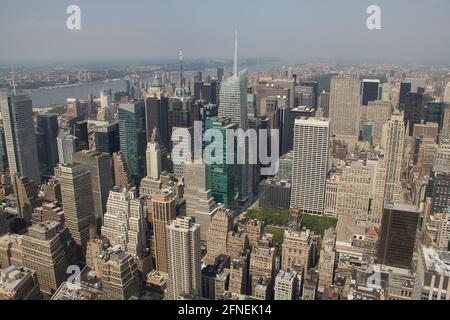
[288, 29]
[231, 153]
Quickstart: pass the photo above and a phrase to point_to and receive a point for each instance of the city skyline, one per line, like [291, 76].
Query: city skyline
[154, 182]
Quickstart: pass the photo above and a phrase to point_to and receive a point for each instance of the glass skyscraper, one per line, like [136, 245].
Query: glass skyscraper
[133, 137]
[223, 179]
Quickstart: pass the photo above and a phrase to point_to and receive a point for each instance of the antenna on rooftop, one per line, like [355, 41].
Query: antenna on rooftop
[181, 68]
[13, 80]
[235, 53]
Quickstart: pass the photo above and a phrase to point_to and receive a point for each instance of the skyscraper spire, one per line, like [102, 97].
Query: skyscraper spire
[181, 68]
[235, 52]
[13, 80]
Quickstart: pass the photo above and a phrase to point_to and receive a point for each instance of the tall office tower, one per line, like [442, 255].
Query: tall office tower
[441, 190]
[443, 231]
[163, 212]
[442, 162]
[74, 107]
[80, 130]
[200, 204]
[424, 156]
[370, 90]
[182, 113]
[122, 177]
[209, 91]
[220, 73]
[215, 278]
[221, 225]
[379, 113]
[345, 107]
[26, 192]
[398, 234]
[45, 249]
[105, 98]
[287, 285]
[386, 91]
[324, 103]
[46, 134]
[285, 167]
[17, 114]
[296, 249]
[183, 142]
[78, 202]
[3, 151]
[310, 165]
[447, 93]
[377, 167]
[67, 146]
[106, 138]
[417, 84]
[405, 88]
[239, 275]
[414, 110]
[283, 123]
[119, 274]
[262, 267]
[124, 223]
[315, 86]
[151, 183]
[274, 193]
[393, 143]
[434, 112]
[156, 113]
[269, 87]
[233, 104]
[223, 178]
[133, 137]
[254, 229]
[327, 260]
[3, 225]
[354, 190]
[304, 96]
[19, 284]
[445, 131]
[432, 275]
[183, 256]
[11, 250]
[237, 243]
[100, 166]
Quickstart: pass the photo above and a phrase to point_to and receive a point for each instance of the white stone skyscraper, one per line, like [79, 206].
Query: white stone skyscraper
[124, 223]
[183, 257]
[447, 93]
[310, 165]
[153, 157]
[345, 108]
[17, 114]
[151, 183]
[392, 142]
[200, 203]
[233, 105]
[378, 112]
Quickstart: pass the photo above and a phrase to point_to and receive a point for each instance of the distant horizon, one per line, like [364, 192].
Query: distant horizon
[121, 62]
[412, 31]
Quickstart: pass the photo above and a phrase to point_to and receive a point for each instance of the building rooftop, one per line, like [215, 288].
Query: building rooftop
[436, 261]
[11, 278]
[347, 228]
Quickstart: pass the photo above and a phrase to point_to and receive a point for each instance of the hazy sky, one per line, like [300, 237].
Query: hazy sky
[412, 30]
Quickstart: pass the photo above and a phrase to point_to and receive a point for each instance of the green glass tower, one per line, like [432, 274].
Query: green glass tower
[133, 137]
[223, 179]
